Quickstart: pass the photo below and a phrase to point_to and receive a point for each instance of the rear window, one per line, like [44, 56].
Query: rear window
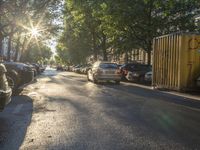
[108, 66]
[140, 68]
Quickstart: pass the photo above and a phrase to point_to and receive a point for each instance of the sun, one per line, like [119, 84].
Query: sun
[35, 32]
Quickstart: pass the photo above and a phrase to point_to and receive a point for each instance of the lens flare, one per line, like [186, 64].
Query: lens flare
[35, 32]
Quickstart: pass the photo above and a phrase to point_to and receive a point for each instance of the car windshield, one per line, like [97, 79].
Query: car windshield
[108, 66]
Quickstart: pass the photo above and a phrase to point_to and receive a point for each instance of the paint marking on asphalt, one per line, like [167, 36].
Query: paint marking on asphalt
[18, 108]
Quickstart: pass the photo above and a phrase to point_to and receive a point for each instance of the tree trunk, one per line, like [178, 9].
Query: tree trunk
[9, 47]
[1, 47]
[17, 49]
[105, 56]
[126, 57]
[24, 45]
[149, 50]
[94, 46]
[10, 44]
[149, 57]
[150, 34]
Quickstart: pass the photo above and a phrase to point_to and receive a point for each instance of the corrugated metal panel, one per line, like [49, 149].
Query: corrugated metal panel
[176, 63]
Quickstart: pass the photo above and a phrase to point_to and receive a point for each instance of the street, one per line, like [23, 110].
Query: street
[62, 110]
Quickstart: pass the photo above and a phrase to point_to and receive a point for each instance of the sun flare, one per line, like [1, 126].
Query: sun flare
[35, 32]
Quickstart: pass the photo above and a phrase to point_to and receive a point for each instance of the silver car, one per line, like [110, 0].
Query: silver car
[104, 71]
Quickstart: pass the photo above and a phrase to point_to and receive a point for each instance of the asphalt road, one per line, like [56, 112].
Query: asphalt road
[63, 111]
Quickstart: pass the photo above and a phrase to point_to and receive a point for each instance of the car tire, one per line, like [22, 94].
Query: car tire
[13, 79]
[11, 82]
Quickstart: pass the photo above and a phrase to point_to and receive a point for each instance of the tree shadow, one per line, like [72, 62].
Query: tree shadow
[156, 94]
[155, 111]
[14, 121]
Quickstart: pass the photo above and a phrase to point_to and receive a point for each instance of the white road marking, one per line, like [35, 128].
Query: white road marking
[18, 108]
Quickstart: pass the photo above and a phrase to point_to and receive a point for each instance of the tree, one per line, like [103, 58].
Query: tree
[122, 25]
[137, 22]
[18, 17]
[36, 53]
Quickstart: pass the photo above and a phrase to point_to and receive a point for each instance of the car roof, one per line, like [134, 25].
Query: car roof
[14, 63]
[106, 62]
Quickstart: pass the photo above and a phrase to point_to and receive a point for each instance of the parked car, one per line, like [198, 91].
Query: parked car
[137, 72]
[59, 68]
[134, 71]
[71, 68]
[37, 66]
[5, 90]
[84, 69]
[18, 74]
[198, 82]
[148, 77]
[42, 68]
[66, 68]
[87, 68]
[125, 68]
[77, 68]
[104, 71]
[33, 68]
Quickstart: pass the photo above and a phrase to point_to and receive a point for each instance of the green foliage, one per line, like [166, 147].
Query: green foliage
[18, 17]
[36, 53]
[93, 27]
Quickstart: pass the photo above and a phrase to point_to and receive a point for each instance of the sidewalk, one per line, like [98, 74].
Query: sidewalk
[184, 95]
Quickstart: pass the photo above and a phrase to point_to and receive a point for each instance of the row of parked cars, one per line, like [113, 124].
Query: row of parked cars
[134, 72]
[14, 75]
[83, 69]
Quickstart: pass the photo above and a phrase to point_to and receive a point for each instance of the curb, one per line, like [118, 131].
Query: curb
[184, 95]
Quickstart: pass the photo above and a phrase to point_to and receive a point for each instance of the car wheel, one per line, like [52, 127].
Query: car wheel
[11, 82]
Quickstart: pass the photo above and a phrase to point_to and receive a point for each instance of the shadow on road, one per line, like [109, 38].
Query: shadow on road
[161, 112]
[156, 94]
[108, 109]
[14, 121]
